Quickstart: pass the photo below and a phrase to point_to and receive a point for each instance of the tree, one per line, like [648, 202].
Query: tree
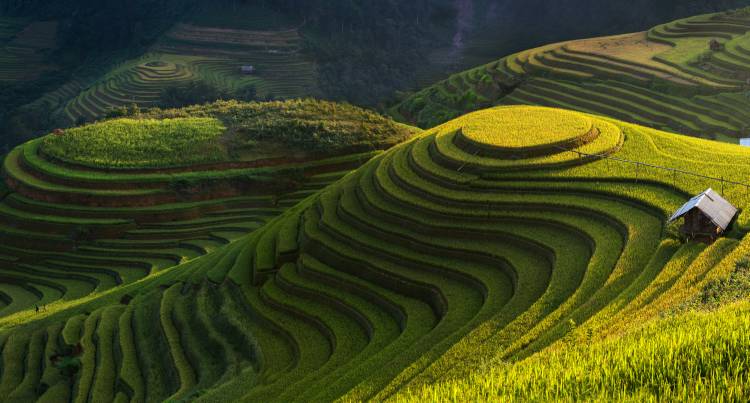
[248, 93]
[197, 92]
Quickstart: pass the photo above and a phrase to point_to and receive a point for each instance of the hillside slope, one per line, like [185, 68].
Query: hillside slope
[97, 207]
[212, 55]
[668, 78]
[665, 359]
[483, 238]
[74, 60]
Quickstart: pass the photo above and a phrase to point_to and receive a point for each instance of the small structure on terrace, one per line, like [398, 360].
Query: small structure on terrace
[715, 45]
[247, 69]
[707, 216]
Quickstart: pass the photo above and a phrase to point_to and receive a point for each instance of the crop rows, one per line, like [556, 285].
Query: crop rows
[428, 259]
[424, 262]
[408, 215]
[190, 53]
[69, 231]
[667, 78]
[639, 366]
[281, 69]
[727, 65]
[141, 84]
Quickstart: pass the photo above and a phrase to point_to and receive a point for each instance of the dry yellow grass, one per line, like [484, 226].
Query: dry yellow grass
[633, 47]
[637, 48]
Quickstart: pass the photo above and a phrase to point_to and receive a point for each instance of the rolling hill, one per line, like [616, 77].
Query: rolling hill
[689, 76]
[507, 233]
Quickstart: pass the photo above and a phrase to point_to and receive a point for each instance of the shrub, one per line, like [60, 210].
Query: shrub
[140, 143]
[195, 93]
[306, 125]
[721, 291]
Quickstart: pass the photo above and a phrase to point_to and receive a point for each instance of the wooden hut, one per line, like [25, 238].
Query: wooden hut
[707, 216]
[247, 69]
[715, 45]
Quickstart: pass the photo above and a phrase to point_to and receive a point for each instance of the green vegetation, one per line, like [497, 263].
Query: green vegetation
[440, 269]
[718, 292]
[300, 125]
[517, 123]
[667, 360]
[223, 131]
[199, 64]
[79, 60]
[275, 252]
[140, 143]
[414, 195]
[94, 208]
[140, 56]
[138, 82]
[668, 78]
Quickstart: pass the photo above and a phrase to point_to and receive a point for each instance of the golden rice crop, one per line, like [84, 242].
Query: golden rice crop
[522, 126]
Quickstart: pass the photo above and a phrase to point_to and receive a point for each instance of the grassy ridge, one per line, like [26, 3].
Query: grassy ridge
[304, 125]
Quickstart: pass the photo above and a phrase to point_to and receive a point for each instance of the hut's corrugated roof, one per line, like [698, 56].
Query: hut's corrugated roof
[715, 207]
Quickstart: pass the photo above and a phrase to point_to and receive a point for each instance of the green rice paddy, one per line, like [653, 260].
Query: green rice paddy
[440, 269]
[517, 249]
[663, 78]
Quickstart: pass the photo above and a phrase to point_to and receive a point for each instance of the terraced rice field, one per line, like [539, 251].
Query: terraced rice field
[141, 83]
[728, 65]
[604, 371]
[282, 69]
[666, 78]
[69, 231]
[191, 53]
[430, 258]
[24, 49]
